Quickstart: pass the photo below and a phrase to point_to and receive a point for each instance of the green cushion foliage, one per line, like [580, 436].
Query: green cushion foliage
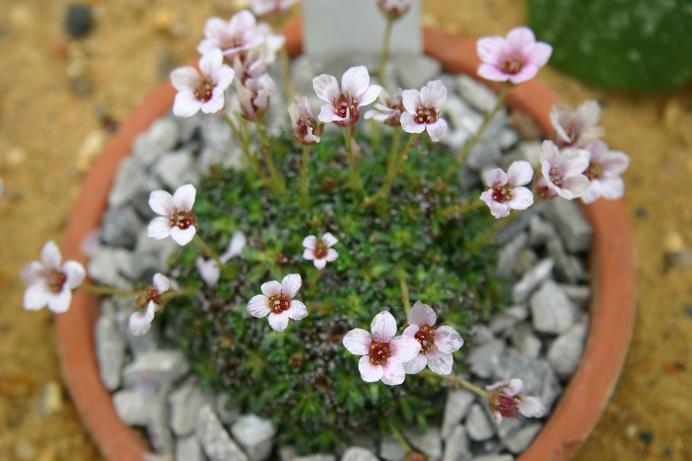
[629, 44]
[304, 379]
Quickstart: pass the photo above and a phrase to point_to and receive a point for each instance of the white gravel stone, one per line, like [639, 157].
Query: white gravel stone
[428, 442]
[110, 350]
[479, 95]
[359, 454]
[508, 318]
[391, 449]
[573, 227]
[255, 435]
[185, 403]
[551, 309]
[494, 458]
[520, 440]
[484, 358]
[162, 367]
[532, 279]
[566, 350]
[215, 441]
[188, 449]
[457, 447]
[478, 425]
[507, 257]
[458, 404]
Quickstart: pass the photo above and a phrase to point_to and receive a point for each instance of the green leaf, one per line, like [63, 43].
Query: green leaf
[629, 44]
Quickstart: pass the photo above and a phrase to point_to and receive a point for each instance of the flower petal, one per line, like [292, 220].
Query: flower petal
[357, 341]
[409, 125]
[356, 81]
[161, 202]
[278, 322]
[531, 407]
[437, 130]
[270, 289]
[447, 340]
[183, 236]
[332, 254]
[210, 62]
[368, 372]
[369, 96]
[394, 373]
[326, 87]
[320, 263]
[519, 38]
[440, 363]
[185, 78]
[139, 323]
[383, 326]
[161, 283]
[434, 94]
[184, 197]
[208, 270]
[411, 100]
[297, 310]
[74, 274]
[404, 348]
[513, 386]
[422, 314]
[310, 241]
[519, 173]
[32, 272]
[522, 198]
[490, 49]
[416, 365]
[308, 254]
[159, 228]
[50, 255]
[494, 177]
[60, 302]
[410, 330]
[290, 285]
[492, 73]
[329, 239]
[539, 53]
[36, 296]
[186, 104]
[258, 306]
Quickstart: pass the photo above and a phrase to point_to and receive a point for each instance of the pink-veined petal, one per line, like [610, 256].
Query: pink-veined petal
[393, 372]
[297, 310]
[32, 272]
[36, 296]
[332, 254]
[183, 236]
[320, 263]
[404, 348]
[159, 228]
[326, 87]
[422, 314]
[531, 407]
[519, 173]
[440, 363]
[161, 283]
[494, 177]
[411, 100]
[161, 202]
[368, 372]
[74, 274]
[290, 285]
[278, 322]
[310, 241]
[185, 78]
[492, 73]
[539, 53]
[270, 289]
[50, 255]
[410, 330]
[490, 49]
[383, 326]
[258, 306]
[184, 197]
[329, 239]
[308, 254]
[60, 302]
[369, 96]
[186, 104]
[357, 341]
[520, 38]
[522, 198]
[409, 125]
[356, 81]
[211, 61]
[437, 130]
[448, 340]
[434, 94]
[416, 365]
[139, 324]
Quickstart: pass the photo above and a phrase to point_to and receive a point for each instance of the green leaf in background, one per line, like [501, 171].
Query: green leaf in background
[630, 44]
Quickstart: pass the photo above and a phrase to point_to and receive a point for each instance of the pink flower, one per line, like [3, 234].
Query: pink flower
[516, 57]
[201, 91]
[253, 96]
[505, 191]
[176, 219]
[542, 189]
[604, 170]
[306, 128]
[577, 128]
[139, 322]
[208, 270]
[276, 302]
[319, 250]
[49, 282]
[563, 171]
[505, 400]
[269, 7]
[232, 37]
[343, 105]
[423, 110]
[394, 9]
[383, 354]
[387, 111]
[436, 345]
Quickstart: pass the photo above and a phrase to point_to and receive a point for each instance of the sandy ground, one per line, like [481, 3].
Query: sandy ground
[53, 97]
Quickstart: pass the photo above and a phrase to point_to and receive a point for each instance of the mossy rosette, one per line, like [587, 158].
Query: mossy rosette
[304, 379]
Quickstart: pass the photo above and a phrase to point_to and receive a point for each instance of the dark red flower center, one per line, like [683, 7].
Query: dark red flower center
[512, 65]
[205, 89]
[379, 352]
[502, 194]
[182, 219]
[556, 176]
[146, 295]
[426, 337]
[346, 106]
[321, 249]
[306, 126]
[426, 115]
[279, 303]
[55, 280]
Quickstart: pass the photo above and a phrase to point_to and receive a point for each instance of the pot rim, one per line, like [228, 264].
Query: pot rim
[611, 264]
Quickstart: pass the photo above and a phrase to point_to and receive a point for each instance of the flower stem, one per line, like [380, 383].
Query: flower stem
[488, 236]
[207, 250]
[244, 146]
[354, 178]
[286, 70]
[405, 298]
[461, 382]
[172, 294]
[101, 290]
[459, 209]
[397, 160]
[305, 177]
[468, 145]
[385, 50]
[400, 438]
[277, 181]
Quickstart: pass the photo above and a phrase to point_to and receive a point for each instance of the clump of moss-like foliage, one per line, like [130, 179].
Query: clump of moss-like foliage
[304, 379]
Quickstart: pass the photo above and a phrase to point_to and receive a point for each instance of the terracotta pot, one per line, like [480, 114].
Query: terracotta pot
[612, 313]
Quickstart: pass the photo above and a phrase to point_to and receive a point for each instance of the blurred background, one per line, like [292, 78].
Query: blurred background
[70, 72]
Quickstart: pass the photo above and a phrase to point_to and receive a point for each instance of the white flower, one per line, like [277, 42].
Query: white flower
[306, 128]
[505, 400]
[387, 110]
[266, 7]
[505, 191]
[139, 322]
[394, 8]
[563, 171]
[577, 128]
[276, 302]
[437, 345]
[343, 105]
[383, 354]
[232, 37]
[604, 171]
[423, 110]
[319, 250]
[209, 270]
[176, 219]
[253, 95]
[201, 91]
[235, 247]
[50, 283]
